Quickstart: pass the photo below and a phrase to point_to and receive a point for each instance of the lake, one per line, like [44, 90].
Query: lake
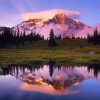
[50, 82]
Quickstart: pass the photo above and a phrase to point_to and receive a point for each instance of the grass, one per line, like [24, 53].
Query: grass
[67, 52]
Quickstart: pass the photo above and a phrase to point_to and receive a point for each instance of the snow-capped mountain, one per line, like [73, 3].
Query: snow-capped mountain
[60, 23]
[60, 79]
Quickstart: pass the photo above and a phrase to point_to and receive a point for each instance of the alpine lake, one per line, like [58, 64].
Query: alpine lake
[50, 82]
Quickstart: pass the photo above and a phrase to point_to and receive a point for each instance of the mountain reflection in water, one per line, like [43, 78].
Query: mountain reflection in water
[56, 77]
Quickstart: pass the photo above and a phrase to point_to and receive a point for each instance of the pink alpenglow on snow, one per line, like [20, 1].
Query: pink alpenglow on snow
[63, 22]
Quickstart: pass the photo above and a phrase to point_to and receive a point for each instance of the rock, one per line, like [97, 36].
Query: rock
[92, 52]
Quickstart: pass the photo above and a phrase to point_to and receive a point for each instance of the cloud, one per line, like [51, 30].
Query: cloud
[49, 14]
[83, 33]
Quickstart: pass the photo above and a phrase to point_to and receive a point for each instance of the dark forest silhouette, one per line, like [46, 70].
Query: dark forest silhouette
[95, 38]
[16, 68]
[9, 37]
[17, 37]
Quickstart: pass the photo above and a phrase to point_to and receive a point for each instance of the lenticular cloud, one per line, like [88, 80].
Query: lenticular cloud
[49, 14]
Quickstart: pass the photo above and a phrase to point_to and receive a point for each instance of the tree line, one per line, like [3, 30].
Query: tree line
[94, 38]
[17, 37]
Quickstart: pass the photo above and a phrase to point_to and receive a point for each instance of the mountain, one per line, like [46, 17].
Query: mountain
[60, 23]
[62, 77]
[58, 83]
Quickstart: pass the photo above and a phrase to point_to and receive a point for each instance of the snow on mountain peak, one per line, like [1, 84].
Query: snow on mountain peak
[60, 23]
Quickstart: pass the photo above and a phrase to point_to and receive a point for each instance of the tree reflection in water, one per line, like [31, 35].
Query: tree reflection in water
[59, 77]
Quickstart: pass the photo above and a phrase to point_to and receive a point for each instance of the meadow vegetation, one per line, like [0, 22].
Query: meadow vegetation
[68, 52]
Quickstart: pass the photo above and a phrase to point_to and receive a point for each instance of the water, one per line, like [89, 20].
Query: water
[49, 82]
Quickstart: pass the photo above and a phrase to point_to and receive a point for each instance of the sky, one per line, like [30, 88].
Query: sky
[13, 12]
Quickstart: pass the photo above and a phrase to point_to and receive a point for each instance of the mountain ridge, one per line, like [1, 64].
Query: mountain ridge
[60, 23]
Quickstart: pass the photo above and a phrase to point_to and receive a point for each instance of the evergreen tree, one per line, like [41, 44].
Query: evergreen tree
[73, 37]
[99, 38]
[51, 67]
[31, 36]
[18, 33]
[88, 38]
[52, 42]
[95, 38]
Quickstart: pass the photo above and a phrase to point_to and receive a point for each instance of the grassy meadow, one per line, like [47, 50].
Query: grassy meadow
[68, 52]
